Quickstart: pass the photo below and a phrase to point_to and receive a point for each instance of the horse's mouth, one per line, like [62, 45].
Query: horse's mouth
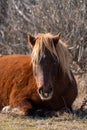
[45, 96]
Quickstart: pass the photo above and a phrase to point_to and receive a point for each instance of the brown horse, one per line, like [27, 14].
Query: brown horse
[41, 81]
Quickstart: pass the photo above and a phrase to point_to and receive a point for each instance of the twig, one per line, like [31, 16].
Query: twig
[20, 12]
[84, 103]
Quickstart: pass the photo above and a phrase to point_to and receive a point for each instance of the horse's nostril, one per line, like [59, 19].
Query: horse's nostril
[45, 93]
[40, 90]
[50, 90]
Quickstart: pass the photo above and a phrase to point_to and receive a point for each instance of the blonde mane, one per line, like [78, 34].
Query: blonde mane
[60, 51]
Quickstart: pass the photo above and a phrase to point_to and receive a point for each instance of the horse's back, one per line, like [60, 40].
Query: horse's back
[12, 64]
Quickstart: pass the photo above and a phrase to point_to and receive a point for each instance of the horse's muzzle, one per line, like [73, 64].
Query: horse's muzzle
[45, 94]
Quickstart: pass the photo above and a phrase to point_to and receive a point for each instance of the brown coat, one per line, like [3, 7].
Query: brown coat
[18, 88]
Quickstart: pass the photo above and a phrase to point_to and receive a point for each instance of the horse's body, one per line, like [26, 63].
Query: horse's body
[22, 88]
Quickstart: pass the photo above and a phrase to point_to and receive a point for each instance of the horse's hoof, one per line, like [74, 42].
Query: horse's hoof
[6, 109]
[11, 110]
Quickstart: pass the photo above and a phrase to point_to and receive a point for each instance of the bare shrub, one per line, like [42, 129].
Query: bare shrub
[17, 17]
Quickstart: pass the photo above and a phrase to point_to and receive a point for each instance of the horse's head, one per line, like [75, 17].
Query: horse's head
[45, 63]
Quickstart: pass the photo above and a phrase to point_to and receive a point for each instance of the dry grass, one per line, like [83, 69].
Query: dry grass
[63, 122]
[54, 120]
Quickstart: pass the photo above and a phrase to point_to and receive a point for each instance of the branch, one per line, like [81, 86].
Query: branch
[20, 12]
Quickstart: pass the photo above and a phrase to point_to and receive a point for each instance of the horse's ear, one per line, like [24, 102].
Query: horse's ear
[56, 38]
[31, 40]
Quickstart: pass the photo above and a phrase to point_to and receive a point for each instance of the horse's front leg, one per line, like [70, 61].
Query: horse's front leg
[23, 108]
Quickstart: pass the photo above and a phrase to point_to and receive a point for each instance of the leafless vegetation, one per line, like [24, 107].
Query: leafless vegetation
[17, 18]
